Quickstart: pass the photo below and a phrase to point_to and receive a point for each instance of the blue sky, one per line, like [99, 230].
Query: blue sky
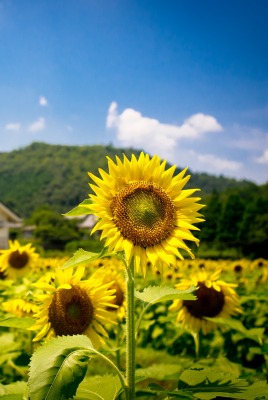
[187, 80]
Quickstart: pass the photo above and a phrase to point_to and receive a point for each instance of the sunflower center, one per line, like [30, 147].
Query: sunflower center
[143, 213]
[18, 260]
[71, 311]
[238, 268]
[209, 302]
[119, 297]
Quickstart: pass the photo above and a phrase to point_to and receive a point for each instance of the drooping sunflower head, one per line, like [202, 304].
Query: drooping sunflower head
[215, 298]
[144, 211]
[18, 260]
[71, 306]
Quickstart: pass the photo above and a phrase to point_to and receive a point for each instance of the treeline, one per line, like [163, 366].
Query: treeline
[236, 222]
[56, 176]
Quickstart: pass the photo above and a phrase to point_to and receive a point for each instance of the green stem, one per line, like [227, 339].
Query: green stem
[130, 333]
[106, 359]
[139, 320]
[118, 353]
[197, 344]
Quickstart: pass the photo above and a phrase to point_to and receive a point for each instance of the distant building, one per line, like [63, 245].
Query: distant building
[84, 221]
[8, 219]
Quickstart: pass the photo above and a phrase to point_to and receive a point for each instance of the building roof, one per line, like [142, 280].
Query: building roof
[89, 221]
[10, 215]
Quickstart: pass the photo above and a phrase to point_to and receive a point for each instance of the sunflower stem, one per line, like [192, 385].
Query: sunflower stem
[197, 344]
[130, 333]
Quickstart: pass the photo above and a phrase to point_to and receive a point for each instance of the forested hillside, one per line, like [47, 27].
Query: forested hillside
[56, 175]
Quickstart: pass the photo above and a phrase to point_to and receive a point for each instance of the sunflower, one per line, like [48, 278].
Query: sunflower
[71, 306]
[18, 260]
[19, 307]
[110, 273]
[215, 298]
[143, 210]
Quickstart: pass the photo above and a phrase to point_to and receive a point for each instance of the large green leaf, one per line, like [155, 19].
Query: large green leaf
[82, 209]
[106, 387]
[16, 322]
[255, 334]
[58, 367]
[81, 257]
[156, 294]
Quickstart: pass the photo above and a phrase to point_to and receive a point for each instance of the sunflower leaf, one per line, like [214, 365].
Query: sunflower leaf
[159, 371]
[16, 322]
[81, 256]
[209, 383]
[82, 209]
[58, 367]
[255, 334]
[106, 387]
[156, 294]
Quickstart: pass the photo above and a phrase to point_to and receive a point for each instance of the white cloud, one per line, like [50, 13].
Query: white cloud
[213, 163]
[13, 126]
[263, 159]
[133, 129]
[38, 125]
[43, 101]
[248, 138]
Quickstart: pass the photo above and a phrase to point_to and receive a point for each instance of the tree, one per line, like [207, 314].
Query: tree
[52, 229]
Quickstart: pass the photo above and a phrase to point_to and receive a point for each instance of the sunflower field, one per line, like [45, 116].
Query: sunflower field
[143, 318]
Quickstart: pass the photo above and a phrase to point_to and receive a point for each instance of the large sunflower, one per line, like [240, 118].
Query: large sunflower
[215, 298]
[18, 260]
[143, 210]
[71, 306]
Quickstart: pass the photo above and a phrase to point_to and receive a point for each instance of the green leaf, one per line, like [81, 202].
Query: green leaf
[156, 294]
[58, 367]
[106, 387]
[82, 209]
[209, 383]
[161, 372]
[255, 334]
[13, 391]
[16, 322]
[81, 256]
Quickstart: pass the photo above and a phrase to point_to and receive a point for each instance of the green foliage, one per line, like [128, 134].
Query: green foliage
[81, 257]
[255, 334]
[156, 294]
[105, 387]
[82, 209]
[16, 322]
[57, 368]
[209, 384]
[13, 391]
[53, 230]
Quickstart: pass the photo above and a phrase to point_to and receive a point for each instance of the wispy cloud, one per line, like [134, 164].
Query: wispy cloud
[263, 159]
[214, 163]
[133, 129]
[43, 101]
[248, 137]
[38, 125]
[13, 126]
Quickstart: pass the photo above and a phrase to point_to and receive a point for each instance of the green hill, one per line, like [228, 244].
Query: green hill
[56, 175]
